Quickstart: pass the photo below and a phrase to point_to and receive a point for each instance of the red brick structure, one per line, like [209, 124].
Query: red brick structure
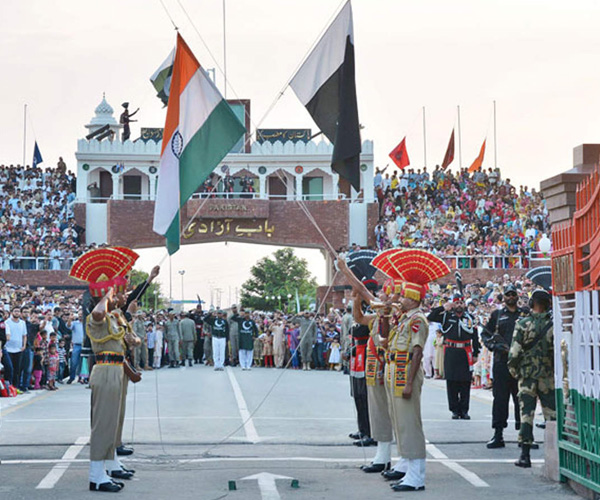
[271, 222]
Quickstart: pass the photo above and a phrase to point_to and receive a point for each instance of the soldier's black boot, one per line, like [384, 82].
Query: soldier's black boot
[190, 362]
[524, 460]
[497, 441]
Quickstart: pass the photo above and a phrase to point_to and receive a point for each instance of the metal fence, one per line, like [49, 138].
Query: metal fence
[35, 264]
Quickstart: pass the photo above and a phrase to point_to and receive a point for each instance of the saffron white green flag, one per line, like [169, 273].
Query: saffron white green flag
[200, 130]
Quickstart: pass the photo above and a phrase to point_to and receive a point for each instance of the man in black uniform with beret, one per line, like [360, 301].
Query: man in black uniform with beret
[497, 337]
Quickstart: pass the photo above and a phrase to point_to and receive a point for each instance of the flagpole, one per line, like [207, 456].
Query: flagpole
[424, 139]
[224, 51]
[24, 132]
[459, 140]
[495, 143]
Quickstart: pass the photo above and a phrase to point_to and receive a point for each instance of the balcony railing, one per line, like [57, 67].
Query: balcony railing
[35, 264]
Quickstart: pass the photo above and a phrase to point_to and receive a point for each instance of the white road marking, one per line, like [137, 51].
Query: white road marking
[251, 433]
[266, 484]
[35, 461]
[60, 468]
[473, 478]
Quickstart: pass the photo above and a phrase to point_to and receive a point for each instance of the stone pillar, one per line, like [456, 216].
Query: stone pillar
[152, 186]
[262, 182]
[116, 194]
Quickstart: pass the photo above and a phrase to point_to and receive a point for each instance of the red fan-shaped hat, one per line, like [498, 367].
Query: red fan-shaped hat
[417, 268]
[130, 253]
[99, 267]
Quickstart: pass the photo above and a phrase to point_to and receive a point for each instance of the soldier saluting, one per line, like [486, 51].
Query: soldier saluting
[497, 336]
[461, 348]
[531, 362]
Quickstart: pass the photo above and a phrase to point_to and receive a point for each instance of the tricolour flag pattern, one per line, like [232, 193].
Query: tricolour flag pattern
[200, 130]
[325, 85]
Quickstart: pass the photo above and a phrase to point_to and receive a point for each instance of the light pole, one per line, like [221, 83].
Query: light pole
[287, 304]
[279, 299]
[155, 300]
[181, 273]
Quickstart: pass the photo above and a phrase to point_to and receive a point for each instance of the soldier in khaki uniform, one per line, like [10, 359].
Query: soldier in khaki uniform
[107, 338]
[405, 340]
[379, 415]
[531, 362]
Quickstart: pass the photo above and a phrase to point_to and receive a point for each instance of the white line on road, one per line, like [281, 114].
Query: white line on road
[473, 478]
[43, 461]
[251, 433]
[60, 468]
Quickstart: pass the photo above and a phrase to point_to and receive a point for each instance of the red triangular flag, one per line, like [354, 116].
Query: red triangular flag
[399, 155]
[479, 160]
[449, 156]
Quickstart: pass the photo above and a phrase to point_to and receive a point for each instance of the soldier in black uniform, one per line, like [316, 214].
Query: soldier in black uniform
[497, 337]
[461, 348]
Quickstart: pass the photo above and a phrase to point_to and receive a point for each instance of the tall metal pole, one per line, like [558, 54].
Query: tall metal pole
[495, 142]
[424, 139]
[459, 140]
[24, 132]
[170, 282]
[224, 50]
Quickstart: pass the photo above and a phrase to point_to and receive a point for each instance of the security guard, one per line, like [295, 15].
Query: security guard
[531, 362]
[461, 348]
[497, 336]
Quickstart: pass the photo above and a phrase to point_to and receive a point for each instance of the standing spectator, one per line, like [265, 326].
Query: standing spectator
[33, 327]
[277, 329]
[234, 337]
[62, 360]
[308, 333]
[188, 336]
[16, 335]
[77, 334]
[199, 347]
[151, 343]
[173, 335]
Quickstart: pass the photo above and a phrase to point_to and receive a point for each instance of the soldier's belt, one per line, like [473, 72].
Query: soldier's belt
[458, 344]
[109, 358]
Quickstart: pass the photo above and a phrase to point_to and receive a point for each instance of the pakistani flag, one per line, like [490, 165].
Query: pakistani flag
[325, 84]
[161, 79]
[199, 131]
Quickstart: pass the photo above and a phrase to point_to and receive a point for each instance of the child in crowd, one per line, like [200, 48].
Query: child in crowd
[62, 360]
[258, 350]
[267, 345]
[53, 364]
[335, 359]
[38, 363]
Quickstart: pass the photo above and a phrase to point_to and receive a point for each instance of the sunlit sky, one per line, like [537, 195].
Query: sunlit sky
[538, 59]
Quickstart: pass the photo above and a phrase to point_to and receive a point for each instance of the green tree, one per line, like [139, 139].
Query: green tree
[150, 298]
[279, 276]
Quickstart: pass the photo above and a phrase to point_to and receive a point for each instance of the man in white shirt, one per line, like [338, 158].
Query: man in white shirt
[16, 341]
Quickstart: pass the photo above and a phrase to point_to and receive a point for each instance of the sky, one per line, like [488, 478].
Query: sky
[538, 59]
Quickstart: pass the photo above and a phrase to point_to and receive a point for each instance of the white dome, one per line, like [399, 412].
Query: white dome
[104, 114]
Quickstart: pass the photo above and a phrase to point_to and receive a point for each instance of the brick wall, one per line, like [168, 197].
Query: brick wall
[130, 224]
[48, 279]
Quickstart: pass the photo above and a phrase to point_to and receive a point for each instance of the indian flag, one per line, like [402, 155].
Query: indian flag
[199, 131]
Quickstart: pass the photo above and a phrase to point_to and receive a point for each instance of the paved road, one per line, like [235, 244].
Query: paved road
[299, 430]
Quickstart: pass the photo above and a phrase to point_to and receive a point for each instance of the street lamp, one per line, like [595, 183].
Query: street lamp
[279, 299]
[181, 273]
[155, 300]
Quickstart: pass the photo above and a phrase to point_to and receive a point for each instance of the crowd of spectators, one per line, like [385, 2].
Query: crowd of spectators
[37, 228]
[471, 219]
[32, 321]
